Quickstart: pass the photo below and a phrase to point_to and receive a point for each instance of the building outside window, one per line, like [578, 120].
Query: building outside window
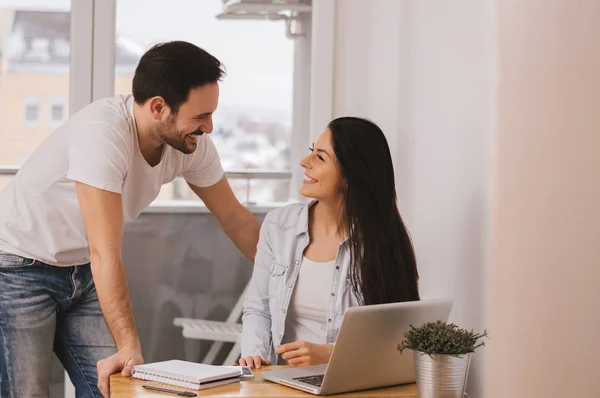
[57, 110]
[31, 111]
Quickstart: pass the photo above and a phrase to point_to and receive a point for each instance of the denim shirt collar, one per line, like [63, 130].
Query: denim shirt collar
[302, 225]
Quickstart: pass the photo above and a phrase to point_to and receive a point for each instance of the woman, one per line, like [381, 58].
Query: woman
[347, 247]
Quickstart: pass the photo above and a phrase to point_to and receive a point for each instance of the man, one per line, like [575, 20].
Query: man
[62, 282]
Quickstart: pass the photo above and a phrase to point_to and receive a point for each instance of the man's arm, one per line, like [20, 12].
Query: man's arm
[236, 220]
[103, 218]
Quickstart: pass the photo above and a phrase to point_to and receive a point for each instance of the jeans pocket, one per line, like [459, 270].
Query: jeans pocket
[13, 261]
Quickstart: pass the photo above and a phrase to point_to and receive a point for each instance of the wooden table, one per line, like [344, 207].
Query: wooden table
[126, 387]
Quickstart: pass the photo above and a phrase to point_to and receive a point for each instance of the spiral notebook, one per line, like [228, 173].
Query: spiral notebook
[195, 376]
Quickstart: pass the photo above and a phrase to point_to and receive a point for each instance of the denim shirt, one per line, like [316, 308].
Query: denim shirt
[283, 239]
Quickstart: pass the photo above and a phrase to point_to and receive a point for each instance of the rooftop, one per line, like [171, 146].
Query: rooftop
[42, 38]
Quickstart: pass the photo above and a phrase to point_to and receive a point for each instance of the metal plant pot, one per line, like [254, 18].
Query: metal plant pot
[441, 376]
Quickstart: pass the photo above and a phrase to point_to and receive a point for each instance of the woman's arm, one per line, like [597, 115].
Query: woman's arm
[256, 318]
[303, 353]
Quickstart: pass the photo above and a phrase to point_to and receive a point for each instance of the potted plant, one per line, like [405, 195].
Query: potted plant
[442, 353]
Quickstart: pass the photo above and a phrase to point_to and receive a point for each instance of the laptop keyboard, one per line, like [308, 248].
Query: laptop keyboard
[315, 380]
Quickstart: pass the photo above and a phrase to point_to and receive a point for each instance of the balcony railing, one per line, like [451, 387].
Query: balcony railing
[8, 170]
[181, 202]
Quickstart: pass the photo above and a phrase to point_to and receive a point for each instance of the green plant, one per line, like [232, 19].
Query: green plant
[441, 338]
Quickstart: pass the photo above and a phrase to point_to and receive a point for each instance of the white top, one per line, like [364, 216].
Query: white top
[40, 216]
[307, 315]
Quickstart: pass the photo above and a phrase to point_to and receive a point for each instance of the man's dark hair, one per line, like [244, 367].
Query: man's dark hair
[170, 70]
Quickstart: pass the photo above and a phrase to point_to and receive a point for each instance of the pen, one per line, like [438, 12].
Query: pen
[176, 392]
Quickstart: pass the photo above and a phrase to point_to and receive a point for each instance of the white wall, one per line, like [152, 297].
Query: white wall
[452, 55]
[424, 71]
[462, 88]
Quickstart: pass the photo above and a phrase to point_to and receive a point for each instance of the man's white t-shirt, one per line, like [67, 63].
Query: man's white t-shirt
[40, 216]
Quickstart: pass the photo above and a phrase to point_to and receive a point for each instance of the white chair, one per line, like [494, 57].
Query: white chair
[69, 387]
[229, 331]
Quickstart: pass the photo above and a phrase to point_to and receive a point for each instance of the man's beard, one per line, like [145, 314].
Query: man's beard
[167, 130]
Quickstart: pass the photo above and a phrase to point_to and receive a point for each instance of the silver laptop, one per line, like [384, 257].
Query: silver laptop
[365, 354]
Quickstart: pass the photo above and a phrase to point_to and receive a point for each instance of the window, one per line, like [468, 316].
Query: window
[34, 44]
[31, 111]
[258, 106]
[57, 110]
[253, 123]
[34, 67]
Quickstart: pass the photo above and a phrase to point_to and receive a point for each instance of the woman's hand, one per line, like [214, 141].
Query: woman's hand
[254, 362]
[302, 353]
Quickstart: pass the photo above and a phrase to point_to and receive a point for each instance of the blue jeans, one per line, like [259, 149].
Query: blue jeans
[44, 308]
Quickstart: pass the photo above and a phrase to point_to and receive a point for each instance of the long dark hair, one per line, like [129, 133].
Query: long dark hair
[383, 264]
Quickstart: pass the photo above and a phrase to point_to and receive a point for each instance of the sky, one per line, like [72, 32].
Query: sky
[257, 55]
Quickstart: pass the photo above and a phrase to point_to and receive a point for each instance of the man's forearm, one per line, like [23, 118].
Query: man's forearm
[113, 294]
[243, 229]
